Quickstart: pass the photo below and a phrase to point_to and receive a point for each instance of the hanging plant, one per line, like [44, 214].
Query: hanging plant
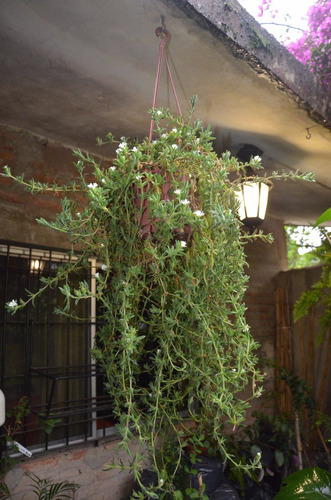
[176, 348]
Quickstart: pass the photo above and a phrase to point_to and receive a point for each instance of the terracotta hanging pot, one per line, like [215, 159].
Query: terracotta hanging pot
[146, 221]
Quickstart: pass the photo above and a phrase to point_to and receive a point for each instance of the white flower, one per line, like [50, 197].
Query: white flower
[97, 275]
[174, 130]
[197, 140]
[103, 180]
[257, 158]
[234, 370]
[138, 176]
[102, 244]
[78, 214]
[103, 267]
[121, 146]
[177, 191]
[134, 149]
[174, 146]
[154, 142]
[12, 303]
[184, 202]
[159, 112]
[198, 213]
[183, 244]
[164, 135]
[112, 168]
[92, 185]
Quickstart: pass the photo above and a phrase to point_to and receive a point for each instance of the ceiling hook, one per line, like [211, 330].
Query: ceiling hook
[161, 30]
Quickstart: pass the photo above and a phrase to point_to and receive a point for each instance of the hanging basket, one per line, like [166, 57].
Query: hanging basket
[148, 223]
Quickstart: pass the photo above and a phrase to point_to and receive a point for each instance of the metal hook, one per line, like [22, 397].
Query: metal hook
[308, 136]
[161, 30]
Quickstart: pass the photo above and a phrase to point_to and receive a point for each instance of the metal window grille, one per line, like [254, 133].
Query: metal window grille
[46, 357]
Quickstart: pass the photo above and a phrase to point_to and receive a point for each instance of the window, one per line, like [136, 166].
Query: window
[46, 357]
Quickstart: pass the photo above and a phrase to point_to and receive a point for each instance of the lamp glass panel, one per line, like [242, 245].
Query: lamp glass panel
[251, 196]
[36, 265]
[241, 209]
[264, 193]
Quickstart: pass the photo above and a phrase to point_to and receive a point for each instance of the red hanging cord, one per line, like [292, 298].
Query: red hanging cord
[162, 52]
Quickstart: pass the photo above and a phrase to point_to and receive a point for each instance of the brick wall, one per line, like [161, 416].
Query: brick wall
[265, 261]
[43, 160]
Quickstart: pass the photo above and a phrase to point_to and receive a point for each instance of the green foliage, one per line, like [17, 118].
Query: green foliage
[301, 392]
[325, 217]
[162, 222]
[311, 484]
[4, 492]
[48, 423]
[18, 413]
[44, 489]
[269, 438]
[16, 416]
[300, 251]
[319, 294]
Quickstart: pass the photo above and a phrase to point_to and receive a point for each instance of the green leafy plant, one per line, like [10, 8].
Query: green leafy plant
[16, 416]
[270, 438]
[47, 422]
[175, 346]
[272, 435]
[319, 293]
[324, 217]
[301, 397]
[44, 489]
[4, 491]
[302, 250]
[311, 484]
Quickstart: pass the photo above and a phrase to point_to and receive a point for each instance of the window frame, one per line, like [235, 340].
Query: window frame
[93, 429]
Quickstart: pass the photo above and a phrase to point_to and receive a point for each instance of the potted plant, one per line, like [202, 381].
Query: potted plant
[176, 348]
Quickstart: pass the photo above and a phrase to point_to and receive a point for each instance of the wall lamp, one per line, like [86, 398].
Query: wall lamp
[253, 195]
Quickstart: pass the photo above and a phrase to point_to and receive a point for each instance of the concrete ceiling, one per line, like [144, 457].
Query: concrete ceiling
[74, 70]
